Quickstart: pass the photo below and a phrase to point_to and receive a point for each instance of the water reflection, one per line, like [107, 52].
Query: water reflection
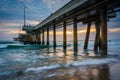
[99, 73]
[82, 73]
[64, 56]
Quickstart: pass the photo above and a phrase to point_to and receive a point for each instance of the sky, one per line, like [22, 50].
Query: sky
[12, 12]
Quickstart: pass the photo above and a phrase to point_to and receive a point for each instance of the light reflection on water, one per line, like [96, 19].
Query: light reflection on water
[84, 73]
[100, 72]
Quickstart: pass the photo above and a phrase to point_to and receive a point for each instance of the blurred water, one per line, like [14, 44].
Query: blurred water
[16, 56]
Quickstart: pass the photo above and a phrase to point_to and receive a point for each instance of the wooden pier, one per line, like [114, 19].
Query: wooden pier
[88, 12]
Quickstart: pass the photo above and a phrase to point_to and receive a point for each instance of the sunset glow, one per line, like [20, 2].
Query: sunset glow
[18, 32]
[69, 32]
[114, 30]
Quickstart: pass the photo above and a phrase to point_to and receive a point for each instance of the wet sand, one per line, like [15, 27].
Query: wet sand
[101, 72]
[93, 72]
[115, 71]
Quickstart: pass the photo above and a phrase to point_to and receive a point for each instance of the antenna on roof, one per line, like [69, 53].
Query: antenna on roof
[25, 15]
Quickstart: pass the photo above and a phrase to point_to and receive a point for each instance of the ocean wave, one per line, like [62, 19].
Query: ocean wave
[89, 62]
[11, 46]
[3, 45]
[2, 61]
[5, 73]
[39, 69]
[7, 42]
[15, 46]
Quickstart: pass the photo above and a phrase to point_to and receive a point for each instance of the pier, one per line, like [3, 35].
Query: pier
[88, 12]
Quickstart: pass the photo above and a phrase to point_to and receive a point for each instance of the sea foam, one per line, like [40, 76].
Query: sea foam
[2, 61]
[39, 69]
[3, 45]
[73, 64]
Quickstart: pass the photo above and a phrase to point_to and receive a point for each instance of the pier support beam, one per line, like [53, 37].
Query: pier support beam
[97, 37]
[87, 36]
[43, 37]
[103, 20]
[40, 38]
[36, 40]
[47, 36]
[75, 38]
[54, 36]
[64, 36]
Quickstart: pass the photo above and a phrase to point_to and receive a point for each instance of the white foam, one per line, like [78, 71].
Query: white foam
[51, 75]
[3, 45]
[74, 64]
[40, 69]
[2, 61]
[91, 62]
[39, 57]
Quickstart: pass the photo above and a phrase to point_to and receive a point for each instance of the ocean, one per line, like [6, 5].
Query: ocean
[41, 62]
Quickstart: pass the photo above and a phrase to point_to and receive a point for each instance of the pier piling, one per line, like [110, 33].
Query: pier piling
[40, 38]
[54, 36]
[64, 36]
[47, 36]
[97, 36]
[87, 36]
[75, 38]
[43, 37]
[103, 20]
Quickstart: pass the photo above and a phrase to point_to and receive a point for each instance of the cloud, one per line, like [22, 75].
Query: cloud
[17, 32]
[53, 5]
[31, 22]
[114, 30]
[13, 27]
[10, 31]
[29, 1]
[115, 22]
[16, 23]
[9, 24]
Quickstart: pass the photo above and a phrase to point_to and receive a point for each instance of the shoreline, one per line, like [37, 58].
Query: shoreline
[89, 72]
